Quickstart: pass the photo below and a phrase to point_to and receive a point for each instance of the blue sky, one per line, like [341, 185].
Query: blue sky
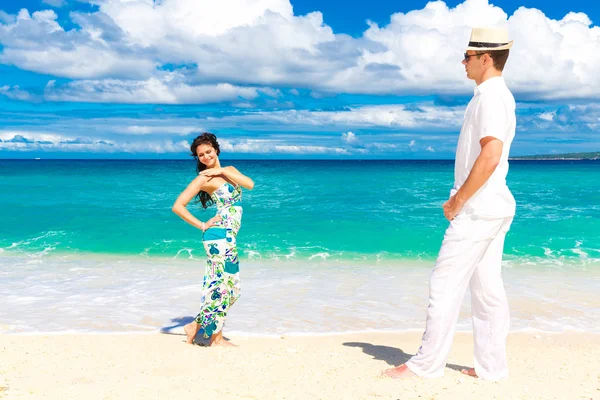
[274, 79]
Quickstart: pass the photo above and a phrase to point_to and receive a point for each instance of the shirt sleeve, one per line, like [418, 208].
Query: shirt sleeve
[492, 117]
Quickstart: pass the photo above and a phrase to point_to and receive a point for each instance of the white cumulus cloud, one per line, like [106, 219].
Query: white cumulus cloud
[6, 18]
[269, 146]
[349, 137]
[153, 90]
[16, 93]
[399, 116]
[263, 43]
[44, 141]
[55, 3]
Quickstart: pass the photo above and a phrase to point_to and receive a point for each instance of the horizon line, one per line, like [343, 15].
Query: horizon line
[517, 158]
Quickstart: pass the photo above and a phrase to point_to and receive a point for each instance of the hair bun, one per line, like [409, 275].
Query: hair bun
[208, 135]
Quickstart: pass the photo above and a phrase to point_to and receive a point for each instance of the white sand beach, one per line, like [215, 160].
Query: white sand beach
[155, 366]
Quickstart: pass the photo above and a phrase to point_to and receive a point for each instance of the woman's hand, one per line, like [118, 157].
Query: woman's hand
[232, 174]
[213, 172]
[211, 222]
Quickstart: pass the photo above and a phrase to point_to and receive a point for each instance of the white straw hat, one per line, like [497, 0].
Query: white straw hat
[489, 39]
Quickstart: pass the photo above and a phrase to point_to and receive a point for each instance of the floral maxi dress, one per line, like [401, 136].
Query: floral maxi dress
[221, 286]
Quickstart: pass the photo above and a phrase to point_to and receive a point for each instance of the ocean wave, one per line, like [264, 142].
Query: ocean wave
[576, 257]
[87, 294]
[188, 251]
[38, 244]
[322, 255]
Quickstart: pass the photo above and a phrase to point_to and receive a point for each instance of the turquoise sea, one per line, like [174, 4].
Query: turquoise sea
[326, 246]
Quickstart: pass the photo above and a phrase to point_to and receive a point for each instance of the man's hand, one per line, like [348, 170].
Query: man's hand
[452, 207]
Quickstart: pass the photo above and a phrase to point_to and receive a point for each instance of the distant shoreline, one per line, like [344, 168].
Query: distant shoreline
[560, 157]
[580, 156]
[552, 159]
[516, 158]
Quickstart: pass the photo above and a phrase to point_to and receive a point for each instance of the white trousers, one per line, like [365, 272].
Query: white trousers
[471, 255]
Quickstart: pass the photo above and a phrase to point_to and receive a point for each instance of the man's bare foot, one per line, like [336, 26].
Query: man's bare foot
[470, 372]
[191, 330]
[400, 372]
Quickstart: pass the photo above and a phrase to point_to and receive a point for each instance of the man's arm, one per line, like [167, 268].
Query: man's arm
[484, 167]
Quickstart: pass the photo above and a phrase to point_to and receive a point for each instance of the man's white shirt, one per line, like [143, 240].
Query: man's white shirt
[491, 112]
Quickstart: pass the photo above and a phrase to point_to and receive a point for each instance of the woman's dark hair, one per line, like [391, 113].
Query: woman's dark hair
[210, 139]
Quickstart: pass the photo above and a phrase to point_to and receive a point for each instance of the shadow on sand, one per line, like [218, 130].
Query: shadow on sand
[177, 327]
[391, 355]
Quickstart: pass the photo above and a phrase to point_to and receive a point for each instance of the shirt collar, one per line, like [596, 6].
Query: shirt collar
[483, 86]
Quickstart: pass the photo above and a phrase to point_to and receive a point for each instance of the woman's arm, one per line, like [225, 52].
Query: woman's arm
[232, 174]
[179, 207]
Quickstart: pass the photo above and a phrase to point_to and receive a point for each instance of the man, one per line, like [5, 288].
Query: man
[480, 211]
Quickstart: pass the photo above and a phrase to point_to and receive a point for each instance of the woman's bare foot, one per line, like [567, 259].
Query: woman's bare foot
[191, 330]
[223, 343]
[470, 372]
[401, 372]
[218, 340]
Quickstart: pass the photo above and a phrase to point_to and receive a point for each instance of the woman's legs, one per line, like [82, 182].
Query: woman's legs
[221, 288]
[191, 330]
[217, 339]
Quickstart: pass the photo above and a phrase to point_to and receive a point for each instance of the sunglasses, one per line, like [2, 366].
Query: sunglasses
[467, 56]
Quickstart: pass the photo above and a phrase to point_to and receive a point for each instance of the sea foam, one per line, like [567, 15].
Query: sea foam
[79, 293]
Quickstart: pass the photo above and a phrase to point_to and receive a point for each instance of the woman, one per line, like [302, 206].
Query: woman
[221, 186]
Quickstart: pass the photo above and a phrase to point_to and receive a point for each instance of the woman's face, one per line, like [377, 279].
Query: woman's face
[207, 155]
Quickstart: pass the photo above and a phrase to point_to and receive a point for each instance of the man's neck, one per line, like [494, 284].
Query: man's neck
[490, 73]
